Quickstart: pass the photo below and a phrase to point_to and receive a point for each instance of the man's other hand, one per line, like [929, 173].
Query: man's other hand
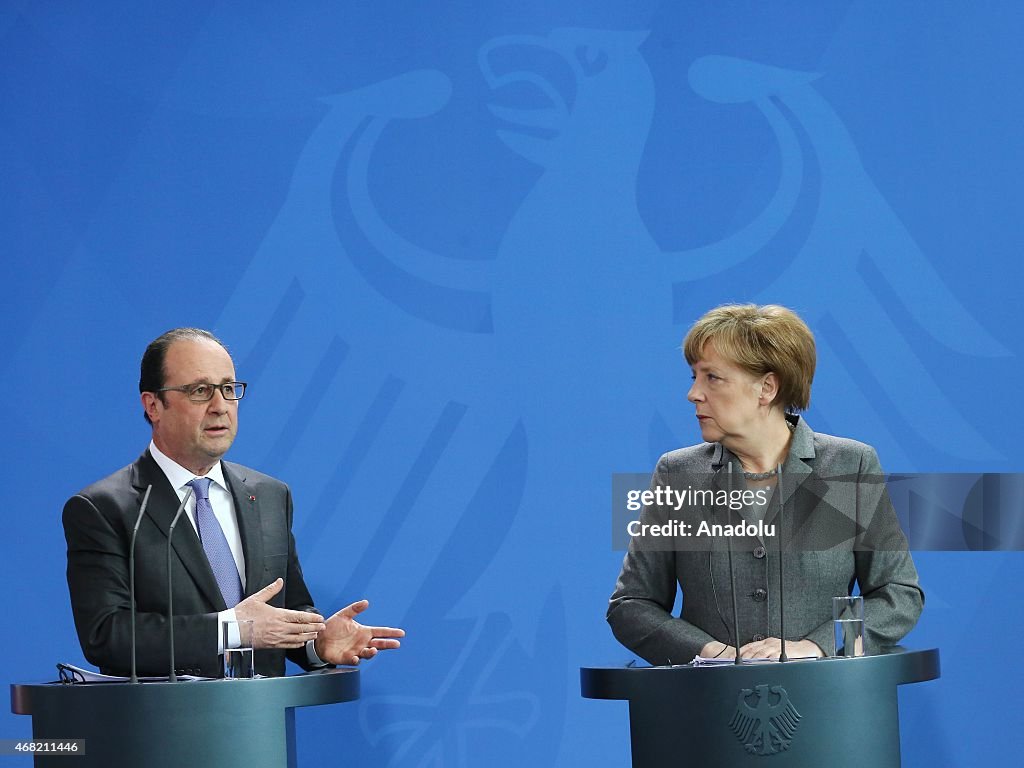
[346, 641]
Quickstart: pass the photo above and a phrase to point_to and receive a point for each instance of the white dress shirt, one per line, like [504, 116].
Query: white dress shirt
[224, 510]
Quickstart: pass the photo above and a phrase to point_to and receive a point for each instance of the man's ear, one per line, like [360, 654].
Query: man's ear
[149, 405]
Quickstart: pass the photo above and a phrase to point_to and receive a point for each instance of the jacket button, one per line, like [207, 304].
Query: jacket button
[760, 595]
[757, 638]
[759, 552]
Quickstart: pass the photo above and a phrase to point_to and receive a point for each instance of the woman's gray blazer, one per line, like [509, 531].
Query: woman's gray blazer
[838, 527]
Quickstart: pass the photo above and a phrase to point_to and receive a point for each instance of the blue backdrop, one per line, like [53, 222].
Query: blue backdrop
[453, 247]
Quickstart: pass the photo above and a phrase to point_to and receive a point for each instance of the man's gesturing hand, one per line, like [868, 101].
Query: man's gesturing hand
[346, 641]
[277, 627]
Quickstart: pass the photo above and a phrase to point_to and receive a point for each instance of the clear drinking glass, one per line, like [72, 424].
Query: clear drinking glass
[238, 657]
[848, 620]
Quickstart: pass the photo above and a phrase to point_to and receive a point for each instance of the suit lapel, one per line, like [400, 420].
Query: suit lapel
[249, 524]
[163, 504]
[796, 473]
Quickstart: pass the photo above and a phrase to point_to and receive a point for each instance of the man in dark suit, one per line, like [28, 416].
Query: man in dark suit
[233, 559]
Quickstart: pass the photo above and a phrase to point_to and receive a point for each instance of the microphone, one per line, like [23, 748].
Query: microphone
[782, 568]
[172, 678]
[131, 576]
[732, 579]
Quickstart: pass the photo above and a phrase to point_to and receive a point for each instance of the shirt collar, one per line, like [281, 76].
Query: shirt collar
[178, 476]
[800, 447]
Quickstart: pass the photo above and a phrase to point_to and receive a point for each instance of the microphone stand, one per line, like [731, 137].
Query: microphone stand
[782, 569]
[131, 577]
[172, 678]
[732, 579]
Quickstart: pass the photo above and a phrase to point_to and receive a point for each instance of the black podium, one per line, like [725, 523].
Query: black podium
[834, 712]
[223, 723]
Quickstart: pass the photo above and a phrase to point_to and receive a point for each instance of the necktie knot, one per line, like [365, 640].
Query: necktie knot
[201, 486]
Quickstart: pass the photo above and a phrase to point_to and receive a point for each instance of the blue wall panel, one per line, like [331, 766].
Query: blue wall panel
[453, 248]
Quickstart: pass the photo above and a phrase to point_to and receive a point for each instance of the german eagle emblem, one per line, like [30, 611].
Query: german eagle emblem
[765, 719]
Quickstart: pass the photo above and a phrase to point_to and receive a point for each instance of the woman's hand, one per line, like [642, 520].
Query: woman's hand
[771, 648]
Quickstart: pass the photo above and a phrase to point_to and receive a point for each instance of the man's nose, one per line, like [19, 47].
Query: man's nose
[218, 403]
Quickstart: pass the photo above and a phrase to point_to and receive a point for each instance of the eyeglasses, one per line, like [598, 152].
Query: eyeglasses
[69, 675]
[203, 393]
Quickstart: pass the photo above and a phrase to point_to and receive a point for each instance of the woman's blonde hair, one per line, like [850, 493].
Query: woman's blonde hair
[760, 339]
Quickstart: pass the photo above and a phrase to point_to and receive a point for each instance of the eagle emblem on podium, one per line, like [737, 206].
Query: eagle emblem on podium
[765, 719]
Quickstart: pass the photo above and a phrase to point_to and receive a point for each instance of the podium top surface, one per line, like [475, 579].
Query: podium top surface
[326, 686]
[896, 666]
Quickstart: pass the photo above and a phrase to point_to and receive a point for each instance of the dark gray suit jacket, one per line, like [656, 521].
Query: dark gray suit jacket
[98, 524]
[839, 527]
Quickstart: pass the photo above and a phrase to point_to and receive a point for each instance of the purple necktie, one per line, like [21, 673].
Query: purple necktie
[215, 544]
